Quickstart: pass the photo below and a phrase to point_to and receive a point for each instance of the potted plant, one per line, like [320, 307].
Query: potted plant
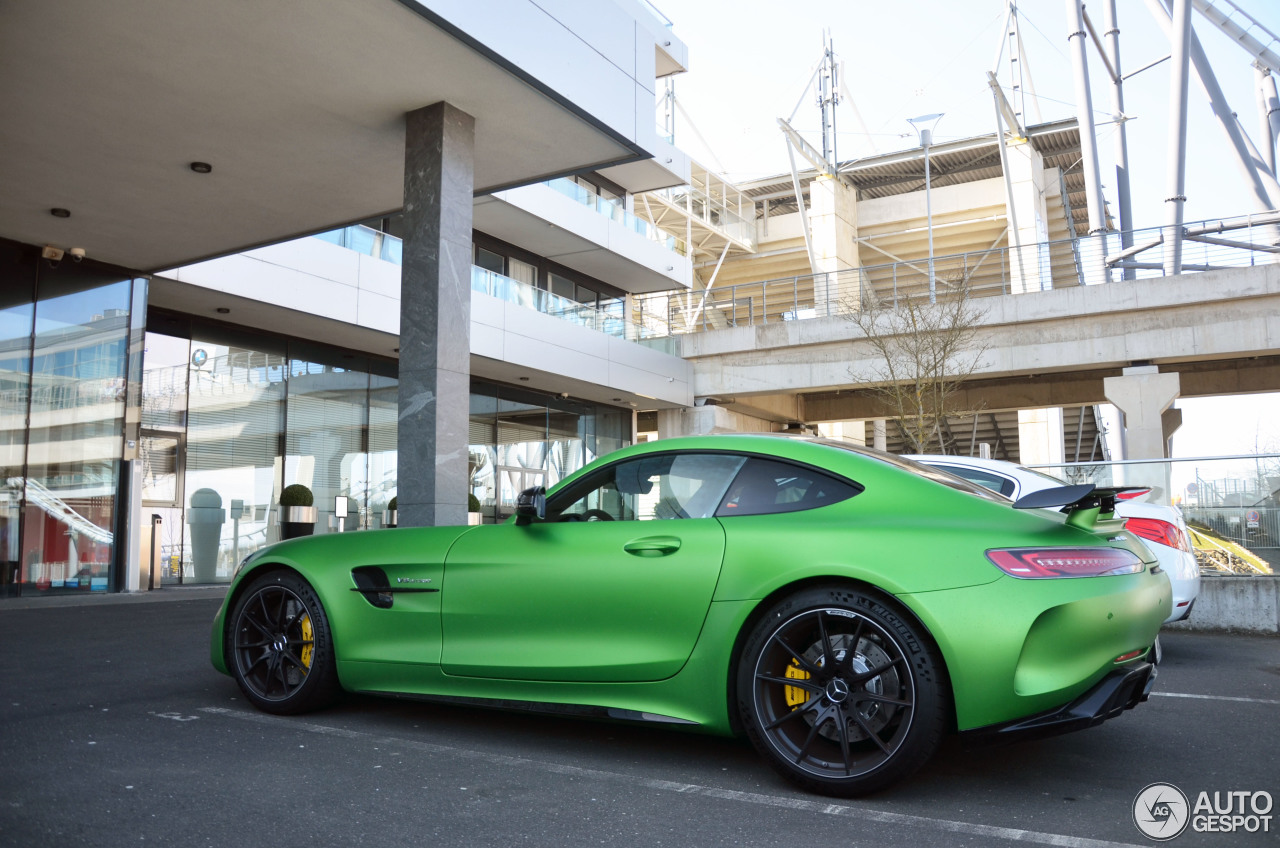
[297, 513]
[389, 517]
[473, 510]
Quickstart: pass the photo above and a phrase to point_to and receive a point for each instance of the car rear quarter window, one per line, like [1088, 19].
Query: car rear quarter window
[768, 486]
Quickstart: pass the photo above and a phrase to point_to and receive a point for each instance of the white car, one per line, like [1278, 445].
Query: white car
[1161, 526]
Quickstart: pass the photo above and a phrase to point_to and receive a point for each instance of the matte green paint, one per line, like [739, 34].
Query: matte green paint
[565, 613]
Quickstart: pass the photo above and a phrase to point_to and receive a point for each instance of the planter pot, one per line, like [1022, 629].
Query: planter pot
[205, 517]
[390, 517]
[474, 518]
[297, 521]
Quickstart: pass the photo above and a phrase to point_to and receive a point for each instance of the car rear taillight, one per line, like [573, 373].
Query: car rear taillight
[1032, 563]
[1131, 494]
[1156, 530]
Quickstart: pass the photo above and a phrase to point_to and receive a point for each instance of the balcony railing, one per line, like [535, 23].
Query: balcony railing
[368, 241]
[610, 322]
[615, 210]
[1093, 260]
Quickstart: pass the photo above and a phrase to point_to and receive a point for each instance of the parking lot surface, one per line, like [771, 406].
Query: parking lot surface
[115, 730]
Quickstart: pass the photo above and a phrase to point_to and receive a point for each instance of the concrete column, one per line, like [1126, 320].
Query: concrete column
[833, 225]
[880, 434]
[435, 317]
[1142, 395]
[1040, 436]
[1029, 255]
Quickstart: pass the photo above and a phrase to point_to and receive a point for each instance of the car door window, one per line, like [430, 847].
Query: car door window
[766, 486]
[651, 487]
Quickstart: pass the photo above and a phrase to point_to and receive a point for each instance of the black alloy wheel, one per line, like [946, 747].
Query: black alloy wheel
[279, 646]
[840, 692]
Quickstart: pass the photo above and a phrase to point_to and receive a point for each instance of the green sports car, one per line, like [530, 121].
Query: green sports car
[842, 607]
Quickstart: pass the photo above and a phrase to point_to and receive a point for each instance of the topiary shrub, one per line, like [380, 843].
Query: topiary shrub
[296, 495]
[473, 503]
[391, 505]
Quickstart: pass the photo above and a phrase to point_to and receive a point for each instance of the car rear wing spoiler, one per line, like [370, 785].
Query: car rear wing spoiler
[1084, 504]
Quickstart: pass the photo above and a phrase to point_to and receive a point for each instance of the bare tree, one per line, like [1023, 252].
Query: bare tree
[922, 353]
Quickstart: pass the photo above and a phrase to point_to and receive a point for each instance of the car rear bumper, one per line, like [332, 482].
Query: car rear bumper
[1120, 690]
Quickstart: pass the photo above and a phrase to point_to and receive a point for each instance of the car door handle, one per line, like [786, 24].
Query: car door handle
[653, 546]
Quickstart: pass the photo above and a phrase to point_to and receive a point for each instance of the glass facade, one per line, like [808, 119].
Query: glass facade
[67, 337]
[230, 418]
[203, 425]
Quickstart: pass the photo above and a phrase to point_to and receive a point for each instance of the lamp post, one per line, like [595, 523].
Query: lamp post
[926, 139]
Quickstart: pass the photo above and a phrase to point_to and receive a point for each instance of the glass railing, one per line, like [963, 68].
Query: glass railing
[614, 209]
[1230, 502]
[609, 321]
[366, 240]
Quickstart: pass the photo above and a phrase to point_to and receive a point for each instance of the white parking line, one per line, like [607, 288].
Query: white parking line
[822, 807]
[1216, 698]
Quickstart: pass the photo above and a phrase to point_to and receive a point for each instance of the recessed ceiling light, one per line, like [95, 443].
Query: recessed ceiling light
[59, 212]
[201, 167]
[524, 379]
[222, 310]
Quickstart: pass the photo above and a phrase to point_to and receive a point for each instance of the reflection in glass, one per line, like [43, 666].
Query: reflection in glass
[235, 401]
[15, 369]
[74, 445]
[328, 408]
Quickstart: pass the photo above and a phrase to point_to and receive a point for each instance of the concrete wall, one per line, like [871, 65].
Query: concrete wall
[1236, 603]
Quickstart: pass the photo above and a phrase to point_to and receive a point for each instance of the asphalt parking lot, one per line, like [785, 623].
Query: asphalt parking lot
[115, 730]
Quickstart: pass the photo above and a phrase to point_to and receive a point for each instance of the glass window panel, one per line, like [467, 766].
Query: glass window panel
[75, 442]
[327, 414]
[491, 261]
[384, 416]
[15, 381]
[767, 487]
[523, 272]
[563, 286]
[235, 403]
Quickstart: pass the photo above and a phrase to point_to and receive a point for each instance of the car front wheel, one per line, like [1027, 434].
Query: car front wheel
[840, 692]
[280, 646]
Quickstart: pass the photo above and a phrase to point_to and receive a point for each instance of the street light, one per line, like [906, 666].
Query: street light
[926, 139]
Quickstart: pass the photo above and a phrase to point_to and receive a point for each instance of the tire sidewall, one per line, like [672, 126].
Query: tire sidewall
[320, 687]
[928, 682]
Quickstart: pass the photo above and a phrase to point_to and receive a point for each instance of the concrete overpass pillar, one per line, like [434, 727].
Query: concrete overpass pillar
[1143, 395]
[435, 317]
[1029, 254]
[1040, 436]
[833, 227]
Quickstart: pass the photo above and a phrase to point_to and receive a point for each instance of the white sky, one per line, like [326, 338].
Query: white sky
[750, 60]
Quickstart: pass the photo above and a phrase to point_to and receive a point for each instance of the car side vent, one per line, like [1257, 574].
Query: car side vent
[371, 581]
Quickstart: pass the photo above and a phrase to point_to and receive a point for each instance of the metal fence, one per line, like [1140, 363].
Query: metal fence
[1091, 260]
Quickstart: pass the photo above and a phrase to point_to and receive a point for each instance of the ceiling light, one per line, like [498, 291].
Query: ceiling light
[59, 212]
[222, 310]
[201, 167]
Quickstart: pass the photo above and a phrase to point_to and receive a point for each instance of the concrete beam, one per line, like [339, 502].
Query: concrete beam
[1230, 314]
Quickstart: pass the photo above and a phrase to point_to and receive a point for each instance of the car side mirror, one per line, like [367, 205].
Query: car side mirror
[530, 504]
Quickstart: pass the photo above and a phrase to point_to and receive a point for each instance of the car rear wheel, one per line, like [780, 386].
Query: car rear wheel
[280, 646]
[840, 692]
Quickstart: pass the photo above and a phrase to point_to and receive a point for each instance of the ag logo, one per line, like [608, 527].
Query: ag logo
[1161, 811]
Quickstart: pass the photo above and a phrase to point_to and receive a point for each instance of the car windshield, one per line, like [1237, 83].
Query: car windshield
[934, 474]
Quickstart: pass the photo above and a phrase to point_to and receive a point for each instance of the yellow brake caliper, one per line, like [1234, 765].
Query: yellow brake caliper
[308, 635]
[796, 696]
